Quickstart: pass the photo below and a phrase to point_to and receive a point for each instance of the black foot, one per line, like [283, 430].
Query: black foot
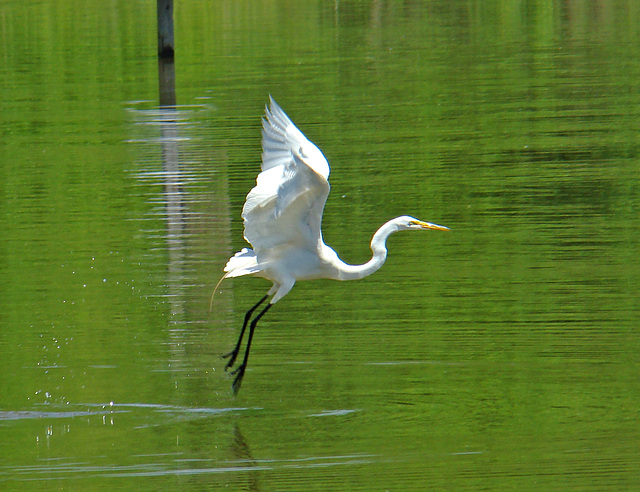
[232, 358]
[237, 382]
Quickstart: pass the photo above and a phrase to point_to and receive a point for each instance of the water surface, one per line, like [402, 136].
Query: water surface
[501, 355]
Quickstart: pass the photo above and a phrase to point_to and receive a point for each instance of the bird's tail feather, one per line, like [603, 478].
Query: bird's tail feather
[244, 262]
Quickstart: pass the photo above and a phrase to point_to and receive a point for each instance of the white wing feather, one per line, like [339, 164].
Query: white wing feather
[285, 207]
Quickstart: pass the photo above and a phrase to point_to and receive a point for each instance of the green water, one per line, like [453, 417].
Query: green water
[501, 355]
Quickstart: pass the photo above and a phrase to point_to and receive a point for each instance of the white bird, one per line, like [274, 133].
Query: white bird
[282, 222]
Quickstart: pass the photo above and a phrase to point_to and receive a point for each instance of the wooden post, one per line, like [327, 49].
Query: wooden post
[165, 29]
[166, 67]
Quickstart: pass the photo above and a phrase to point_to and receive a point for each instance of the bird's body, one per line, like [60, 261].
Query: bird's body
[282, 221]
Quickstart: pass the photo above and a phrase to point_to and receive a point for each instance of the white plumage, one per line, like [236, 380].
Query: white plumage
[283, 219]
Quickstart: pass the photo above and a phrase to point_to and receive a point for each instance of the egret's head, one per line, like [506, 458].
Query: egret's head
[412, 224]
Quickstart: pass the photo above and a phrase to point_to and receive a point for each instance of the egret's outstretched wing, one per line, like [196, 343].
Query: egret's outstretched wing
[285, 207]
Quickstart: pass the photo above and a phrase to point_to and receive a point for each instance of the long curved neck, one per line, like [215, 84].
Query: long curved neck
[379, 249]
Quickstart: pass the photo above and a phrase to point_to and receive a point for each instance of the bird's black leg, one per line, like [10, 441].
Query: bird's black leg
[239, 371]
[234, 353]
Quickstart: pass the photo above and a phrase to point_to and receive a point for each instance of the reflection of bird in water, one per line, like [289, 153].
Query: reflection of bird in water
[282, 221]
[242, 453]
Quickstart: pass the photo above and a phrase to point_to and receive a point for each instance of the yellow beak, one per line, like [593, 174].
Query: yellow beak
[429, 225]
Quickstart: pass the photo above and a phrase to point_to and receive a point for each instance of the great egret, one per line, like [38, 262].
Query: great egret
[282, 221]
